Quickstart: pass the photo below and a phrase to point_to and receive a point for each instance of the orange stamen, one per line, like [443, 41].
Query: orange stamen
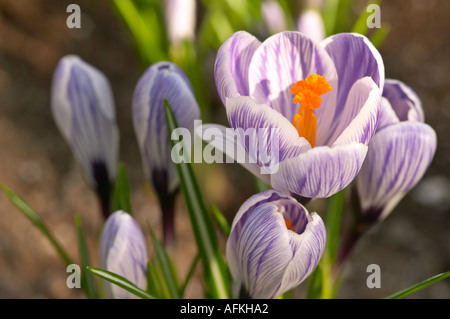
[289, 224]
[307, 93]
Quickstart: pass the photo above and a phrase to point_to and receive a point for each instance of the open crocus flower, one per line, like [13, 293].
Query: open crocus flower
[123, 251]
[84, 111]
[274, 245]
[399, 153]
[323, 141]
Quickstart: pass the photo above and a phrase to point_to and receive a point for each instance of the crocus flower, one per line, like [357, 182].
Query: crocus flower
[84, 111]
[257, 83]
[180, 20]
[123, 251]
[162, 81]
[399, 153]
[274, 245]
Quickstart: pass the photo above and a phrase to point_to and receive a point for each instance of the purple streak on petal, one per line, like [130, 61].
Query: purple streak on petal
[244, 113]
[281, 61]
[354, 57]
[232, 63]
[404, 101]
[320, 172]
[387, 115]
[397, 159]
[360, 115]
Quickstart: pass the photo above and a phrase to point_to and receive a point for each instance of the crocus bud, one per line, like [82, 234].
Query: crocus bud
[310, 22]
[123, 251]
[399, 153]
[273, 246]
[163, 81]
[84, 112]
[180, 20]
[273, 16]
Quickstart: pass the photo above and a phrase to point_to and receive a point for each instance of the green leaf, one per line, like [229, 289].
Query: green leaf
[36, 220]
[120, 281]
[154, 284]
[360, 25]
[221, 220]
[315, 284]
[335, 206]
[213, 265]
[189, 275]
[415, 288]
[377, 38]
[260, 185]
[121, 197]
[87, 280]
[166, 265]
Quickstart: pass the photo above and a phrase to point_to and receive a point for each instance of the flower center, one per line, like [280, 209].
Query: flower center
[289, 224]
[307, 94]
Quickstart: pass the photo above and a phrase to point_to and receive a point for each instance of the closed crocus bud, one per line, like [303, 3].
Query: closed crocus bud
[163, 81]
[399, 153]
[310, 22]
[84, 111]
[123, 251]
[273, 16]
[180, 20]
[273, 246]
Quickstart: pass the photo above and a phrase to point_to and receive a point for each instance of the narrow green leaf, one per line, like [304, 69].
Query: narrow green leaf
[166, 265]
[213, 264]
[377, 38]
[315, 284]
[121, 197]
[415, 288]
[221, 220]
[154, 284]
[360, 25]
[87, 281]
[36, 220]
[189, 275]
[120, 281]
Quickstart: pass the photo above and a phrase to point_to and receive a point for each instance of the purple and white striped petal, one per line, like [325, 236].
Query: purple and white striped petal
[360, 116]
[264, 256]
[403, 100]
[397, 159]
[282, 60]
[245, 114]
[355, 57]
[387, 115]
[232, 64]
[84, 112]
[310, 22]
[162, 81]
[320, 172]
[123, 251]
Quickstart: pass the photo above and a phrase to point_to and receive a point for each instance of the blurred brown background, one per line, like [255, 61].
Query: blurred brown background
[410, 245]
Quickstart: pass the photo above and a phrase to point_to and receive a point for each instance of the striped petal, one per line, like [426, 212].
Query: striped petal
[320, 172]
[84, 112]
[162, 81]
[281, 61]
[232, 63]
[253, 119]
[355, 57]
[397, 159]
[264, 256]
[403, 100]
[123, 251]
[360, 115]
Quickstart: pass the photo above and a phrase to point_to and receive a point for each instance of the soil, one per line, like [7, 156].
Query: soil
[412, 244]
